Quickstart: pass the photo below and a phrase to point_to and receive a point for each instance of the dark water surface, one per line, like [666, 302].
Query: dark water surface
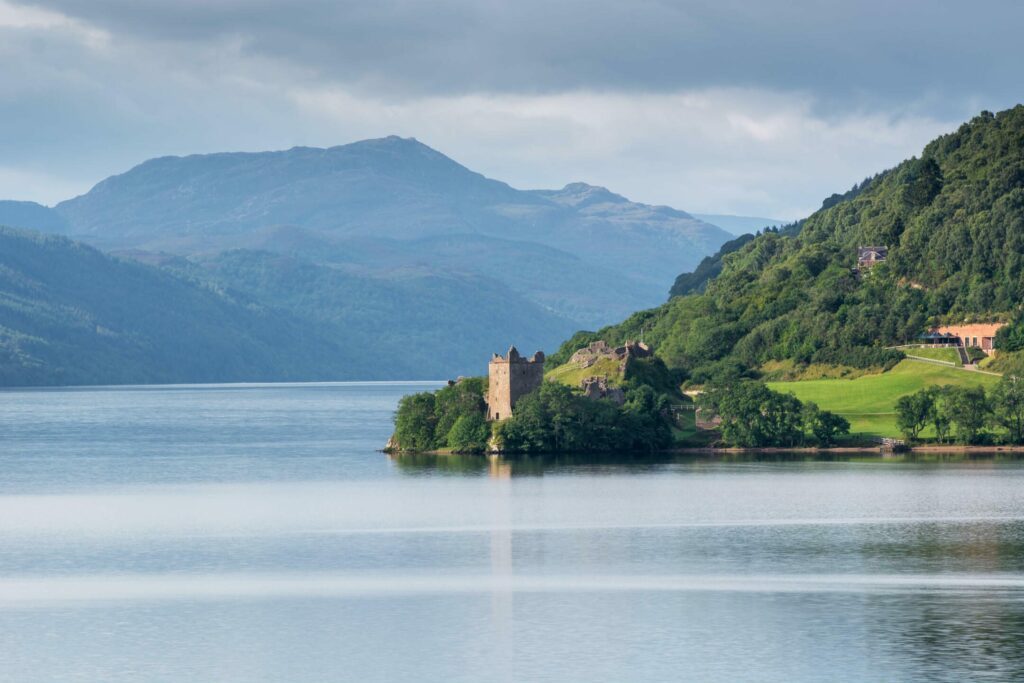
[253, 533]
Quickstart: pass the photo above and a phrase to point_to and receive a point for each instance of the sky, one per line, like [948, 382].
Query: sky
[711, 106]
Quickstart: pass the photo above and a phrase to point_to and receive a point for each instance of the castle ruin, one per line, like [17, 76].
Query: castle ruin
[509, 379]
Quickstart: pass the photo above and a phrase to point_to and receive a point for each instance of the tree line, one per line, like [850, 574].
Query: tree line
[552, 419]
[754, 416]
[965, 415]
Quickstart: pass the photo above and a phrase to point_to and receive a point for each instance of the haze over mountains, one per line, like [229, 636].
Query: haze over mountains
[383, 248]
[739, 225]
[356, 203]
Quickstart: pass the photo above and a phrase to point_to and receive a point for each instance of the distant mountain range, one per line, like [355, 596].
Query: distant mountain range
[70, 314]
[361, 203]
[32, 216]
[383, 247]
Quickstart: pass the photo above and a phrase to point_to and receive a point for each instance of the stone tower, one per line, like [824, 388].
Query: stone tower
[509, 379]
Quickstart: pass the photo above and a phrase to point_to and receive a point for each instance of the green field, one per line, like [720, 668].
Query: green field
[948, 355]
[572, 374]
[869, 402]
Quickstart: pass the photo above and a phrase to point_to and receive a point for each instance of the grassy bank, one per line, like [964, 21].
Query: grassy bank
[946, 355]
[571, 374]
[869, 402]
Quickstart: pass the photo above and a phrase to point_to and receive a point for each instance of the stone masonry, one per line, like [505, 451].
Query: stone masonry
[589, 355]
[510, 378]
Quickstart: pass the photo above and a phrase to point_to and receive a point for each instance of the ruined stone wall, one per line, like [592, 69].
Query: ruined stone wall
[499, 395]
[509, 379]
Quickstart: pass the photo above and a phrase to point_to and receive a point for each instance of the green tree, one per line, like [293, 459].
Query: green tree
[1007, 403]
[754, 416]
[825, 426]
[941, 418]
[555, 418]
[415, 422]
[913, 413]
[469, 434]
[465, 397]
[1010, 337]
[970, 412]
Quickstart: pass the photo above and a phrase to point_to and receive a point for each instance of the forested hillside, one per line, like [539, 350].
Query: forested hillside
[953, 220]
[70, 314]
[410, 325]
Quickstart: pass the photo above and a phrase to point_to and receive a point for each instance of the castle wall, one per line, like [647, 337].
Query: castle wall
[499, 393]
[509, 379]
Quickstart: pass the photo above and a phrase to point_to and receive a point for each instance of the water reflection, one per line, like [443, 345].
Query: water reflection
[248, 534]
[535, 465]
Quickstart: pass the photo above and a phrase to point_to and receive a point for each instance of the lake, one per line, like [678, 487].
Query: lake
[255, 533]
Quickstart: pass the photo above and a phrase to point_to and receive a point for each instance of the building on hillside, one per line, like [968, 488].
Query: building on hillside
[509, 378]
[868, 257]
[978, 335]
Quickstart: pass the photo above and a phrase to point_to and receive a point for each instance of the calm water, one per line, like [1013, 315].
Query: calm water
[254, 534]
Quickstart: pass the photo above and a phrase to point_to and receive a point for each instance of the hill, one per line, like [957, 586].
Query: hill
[70, 314]
[953, 220]
[369, 202]
[31, 216]
[457, 319]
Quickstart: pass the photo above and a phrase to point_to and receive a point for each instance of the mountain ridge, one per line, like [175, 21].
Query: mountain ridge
[71, 314]
[403, 193]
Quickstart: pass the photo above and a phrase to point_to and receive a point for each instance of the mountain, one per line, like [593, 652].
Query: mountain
[558, 282]
[953, 222]
[70, 314]
[411, 324]
[373, 201]
[738, 225]
[31, 216]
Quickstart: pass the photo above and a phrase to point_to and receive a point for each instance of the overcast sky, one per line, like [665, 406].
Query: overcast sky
[759, 107]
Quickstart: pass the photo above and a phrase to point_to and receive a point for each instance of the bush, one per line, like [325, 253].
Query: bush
[469, 434]
[754, 416]
[975, 354]
[424, 421]
[859, 357]
[968, 409]
[556, 419]
[415, 422]
[1010, 337]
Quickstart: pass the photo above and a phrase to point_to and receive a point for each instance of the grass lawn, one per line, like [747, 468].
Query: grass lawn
[869, 402]
[944, 354]
[572, 374]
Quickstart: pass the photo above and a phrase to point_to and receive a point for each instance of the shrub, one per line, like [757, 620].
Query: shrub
[469, 434]
[754, 416]
[415, 422]
[555, 419]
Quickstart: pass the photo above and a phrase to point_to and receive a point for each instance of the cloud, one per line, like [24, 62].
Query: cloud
[843, 51]
[723, 106]
[714, 150]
